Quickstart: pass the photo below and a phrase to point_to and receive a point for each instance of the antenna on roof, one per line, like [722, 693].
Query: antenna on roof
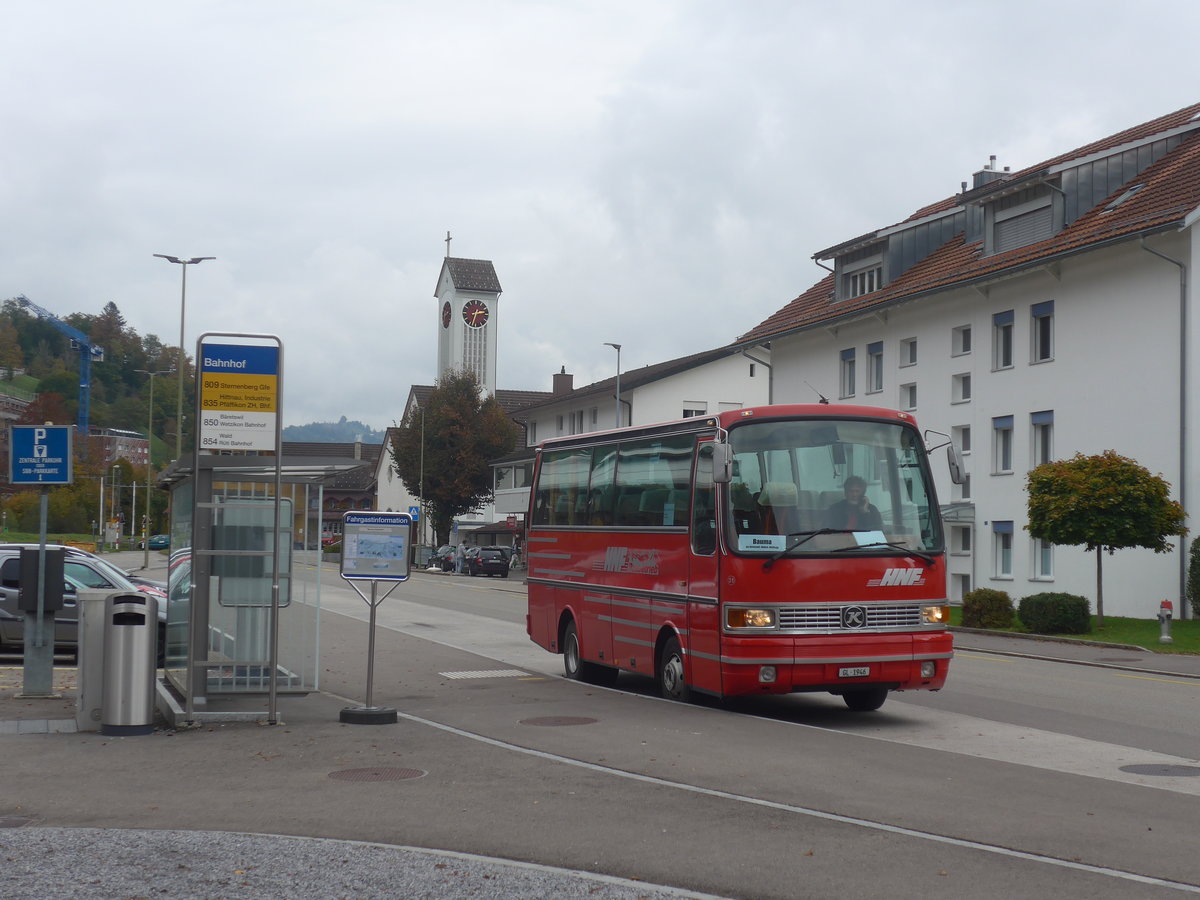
[824, 399]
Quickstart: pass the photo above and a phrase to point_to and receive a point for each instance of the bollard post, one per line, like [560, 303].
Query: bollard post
[1165, 610]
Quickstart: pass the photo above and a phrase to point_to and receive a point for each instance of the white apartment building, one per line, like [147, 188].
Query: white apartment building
[1032, 315]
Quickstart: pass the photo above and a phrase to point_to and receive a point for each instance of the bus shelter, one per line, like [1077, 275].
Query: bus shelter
[221, 576]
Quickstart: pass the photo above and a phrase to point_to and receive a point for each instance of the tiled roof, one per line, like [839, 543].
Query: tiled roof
[1171, 192]
[635, 378]
[471, 274]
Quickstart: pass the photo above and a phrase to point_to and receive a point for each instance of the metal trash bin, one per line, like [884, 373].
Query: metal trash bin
[130, 657]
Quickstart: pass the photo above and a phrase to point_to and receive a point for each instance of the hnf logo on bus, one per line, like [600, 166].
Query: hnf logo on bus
[898, 577]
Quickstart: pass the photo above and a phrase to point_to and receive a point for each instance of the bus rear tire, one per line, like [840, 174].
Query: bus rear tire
[671, 680]
[866, 700]
[577, 668]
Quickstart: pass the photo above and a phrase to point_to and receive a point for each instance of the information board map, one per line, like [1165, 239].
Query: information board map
[239, 397]
[375, 545]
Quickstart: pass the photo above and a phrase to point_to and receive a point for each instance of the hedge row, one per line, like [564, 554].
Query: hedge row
[1048, 613]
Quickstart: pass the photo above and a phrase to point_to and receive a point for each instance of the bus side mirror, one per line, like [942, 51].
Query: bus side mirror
[722, 463]
[955, 461]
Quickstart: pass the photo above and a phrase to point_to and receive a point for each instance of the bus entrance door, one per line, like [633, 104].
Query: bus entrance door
[703, 645]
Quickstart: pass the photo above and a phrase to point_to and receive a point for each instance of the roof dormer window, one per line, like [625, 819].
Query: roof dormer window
[860, 276]
[1019, 219]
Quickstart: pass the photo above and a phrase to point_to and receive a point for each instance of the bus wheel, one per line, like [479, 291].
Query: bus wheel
[671, 681]
[579, 669]
[865, 700]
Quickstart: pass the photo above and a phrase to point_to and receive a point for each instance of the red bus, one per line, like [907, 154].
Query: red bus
[759, 551]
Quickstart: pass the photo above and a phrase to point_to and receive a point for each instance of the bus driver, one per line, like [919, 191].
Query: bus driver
[855, 512]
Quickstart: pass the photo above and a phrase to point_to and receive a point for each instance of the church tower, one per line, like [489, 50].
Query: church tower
[468, 295]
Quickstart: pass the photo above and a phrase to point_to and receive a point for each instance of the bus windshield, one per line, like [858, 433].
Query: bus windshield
[830, 486]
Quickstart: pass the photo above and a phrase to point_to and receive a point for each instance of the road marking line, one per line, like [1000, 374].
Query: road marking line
[1163, 680]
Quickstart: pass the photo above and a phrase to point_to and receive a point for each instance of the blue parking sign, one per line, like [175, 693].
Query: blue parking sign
[40, 454]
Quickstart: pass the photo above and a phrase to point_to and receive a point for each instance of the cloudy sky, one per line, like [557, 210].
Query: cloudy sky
[656, 173]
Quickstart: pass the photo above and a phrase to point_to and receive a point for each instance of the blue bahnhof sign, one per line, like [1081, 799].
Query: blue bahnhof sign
[40, 454]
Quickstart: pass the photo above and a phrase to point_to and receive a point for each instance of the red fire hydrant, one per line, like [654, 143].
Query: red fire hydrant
[1165, 610]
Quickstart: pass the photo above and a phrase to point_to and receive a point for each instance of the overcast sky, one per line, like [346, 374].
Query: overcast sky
[656, 173]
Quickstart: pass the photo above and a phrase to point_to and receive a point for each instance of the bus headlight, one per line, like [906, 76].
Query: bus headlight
[750, 618]
[935, 615]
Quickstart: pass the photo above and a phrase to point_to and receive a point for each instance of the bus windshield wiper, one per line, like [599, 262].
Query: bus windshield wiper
[928, 558]
[805, 536]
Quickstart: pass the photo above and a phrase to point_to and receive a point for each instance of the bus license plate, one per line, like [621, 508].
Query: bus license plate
[854, 672]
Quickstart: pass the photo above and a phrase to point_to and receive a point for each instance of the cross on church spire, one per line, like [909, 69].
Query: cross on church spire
[447, 245]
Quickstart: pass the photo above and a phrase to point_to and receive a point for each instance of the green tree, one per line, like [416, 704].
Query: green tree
[460, 433]
[1106, 503]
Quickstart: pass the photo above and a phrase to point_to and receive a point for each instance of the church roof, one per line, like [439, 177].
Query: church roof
[471, 274]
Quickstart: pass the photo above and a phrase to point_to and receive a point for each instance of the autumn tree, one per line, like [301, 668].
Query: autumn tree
[459, 432]
[1105, 503]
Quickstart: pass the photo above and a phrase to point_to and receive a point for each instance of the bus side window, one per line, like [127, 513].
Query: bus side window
[704, 522]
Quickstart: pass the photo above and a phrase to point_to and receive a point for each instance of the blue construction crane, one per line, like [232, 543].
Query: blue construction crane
[88, 353]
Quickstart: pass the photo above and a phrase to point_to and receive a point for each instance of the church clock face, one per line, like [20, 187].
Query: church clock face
[446, 314]
[475, 313]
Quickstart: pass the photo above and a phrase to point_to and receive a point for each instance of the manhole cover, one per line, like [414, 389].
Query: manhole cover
[1155, 769]
[559, 720]
[14, 821]
[381, 774]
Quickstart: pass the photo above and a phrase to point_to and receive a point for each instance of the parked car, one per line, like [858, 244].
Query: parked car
[80, 570]
[141, 583]
[443, 558]
[157, 542]
[488, 561]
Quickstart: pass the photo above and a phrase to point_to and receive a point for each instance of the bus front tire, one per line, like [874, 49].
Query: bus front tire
[866, 700]
[671, 681]
[577, 668]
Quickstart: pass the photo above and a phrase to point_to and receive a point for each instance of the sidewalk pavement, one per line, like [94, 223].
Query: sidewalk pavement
[204, 812]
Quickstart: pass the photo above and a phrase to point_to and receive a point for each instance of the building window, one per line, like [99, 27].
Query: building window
[595, 417]
[875, 367]
[1002, 462]
[559, 424]
[961, 435]
[1002, 340]
[908, 396]
[962, 540]
[848, 372]
[960, 341]
[532, 433]
[863, 276]
[1042, 426]
[964, 489]
[1042, 332]
[962, 586]
[908, 352]
[1002, 535]
[693, 408]
[1043, 560]
[751, 370]
[961, 389]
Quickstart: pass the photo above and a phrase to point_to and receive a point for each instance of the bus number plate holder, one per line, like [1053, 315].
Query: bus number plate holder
[854, 671]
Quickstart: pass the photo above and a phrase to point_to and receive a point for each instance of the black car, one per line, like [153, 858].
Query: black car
[488, 561]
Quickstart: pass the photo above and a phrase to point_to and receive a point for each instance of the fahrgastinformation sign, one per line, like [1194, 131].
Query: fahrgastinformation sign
[239, 397]
[40, 454]
[375, 545]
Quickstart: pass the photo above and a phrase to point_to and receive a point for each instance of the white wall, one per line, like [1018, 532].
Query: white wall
[1113, 384]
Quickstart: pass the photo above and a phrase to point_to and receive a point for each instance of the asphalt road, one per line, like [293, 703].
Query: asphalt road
[1023, 778]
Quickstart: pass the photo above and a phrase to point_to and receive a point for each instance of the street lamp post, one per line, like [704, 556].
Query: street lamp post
[149, 466]
[183, 264]
[617, 347]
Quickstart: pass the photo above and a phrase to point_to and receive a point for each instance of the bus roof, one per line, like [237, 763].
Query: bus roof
[728, 419]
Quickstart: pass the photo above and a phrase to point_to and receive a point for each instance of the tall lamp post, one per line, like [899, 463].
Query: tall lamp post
[617, 347]
[149, 462]
[183, 264]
